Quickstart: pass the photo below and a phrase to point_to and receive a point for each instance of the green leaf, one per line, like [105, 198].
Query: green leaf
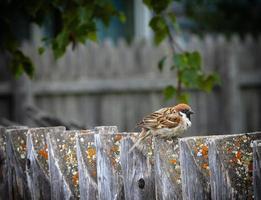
[160, 28]
[169, 92]
[122, 17]
[194, 60]
[180, 61]
[183, 98]
[41, 50]
[207, 82]
[92, 36]
[161, 63]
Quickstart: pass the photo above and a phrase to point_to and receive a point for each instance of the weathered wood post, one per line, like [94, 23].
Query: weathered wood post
[63, 165]
[86, 156]
[137, 171]
[16, 159]
[167, 169]
[3, 166]
[109, 175]
[257, 169]
[194, 165]
[37, 169]
[231, 166]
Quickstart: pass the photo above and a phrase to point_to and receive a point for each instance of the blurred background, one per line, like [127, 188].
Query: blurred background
[116, 81]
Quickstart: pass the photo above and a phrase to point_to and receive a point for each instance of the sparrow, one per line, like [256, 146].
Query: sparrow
[166, 123]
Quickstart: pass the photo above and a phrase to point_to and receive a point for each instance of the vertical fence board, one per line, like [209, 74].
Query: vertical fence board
[16, 158]
[257, 169]
[195, 168]
[37, 169]
[137, 171]
[231, 166]
[86, 156]
[110, 183]
[3, 166]
[63, 165]
[167, 169]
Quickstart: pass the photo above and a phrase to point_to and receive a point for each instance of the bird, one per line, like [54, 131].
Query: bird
[166, 123]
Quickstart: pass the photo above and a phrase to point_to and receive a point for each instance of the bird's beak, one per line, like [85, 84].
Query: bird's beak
[191, 112]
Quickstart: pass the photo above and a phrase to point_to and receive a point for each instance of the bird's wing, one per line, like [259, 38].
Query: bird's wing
[163, 118]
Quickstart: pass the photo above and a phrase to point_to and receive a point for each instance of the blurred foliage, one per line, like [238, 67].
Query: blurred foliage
[76, 19]
[187, 65]
[225, 16]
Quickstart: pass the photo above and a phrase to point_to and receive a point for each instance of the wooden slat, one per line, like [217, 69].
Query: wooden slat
[231, 166]
[16, 158]
[109, 175]
[137, 171]
[257, 169]
[100, 86]
[167, 169]
[3, 166]
[37, 169]
[86, 156]
[63, 165]
[194, 165]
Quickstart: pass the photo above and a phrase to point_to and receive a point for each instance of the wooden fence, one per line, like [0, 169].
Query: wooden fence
[119, 84]
[53, 163]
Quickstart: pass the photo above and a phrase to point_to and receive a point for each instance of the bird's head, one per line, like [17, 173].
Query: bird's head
[184, 108]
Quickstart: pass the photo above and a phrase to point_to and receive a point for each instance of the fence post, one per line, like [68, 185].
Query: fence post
[37, 170]
[63, 165]
[110, 183]
[137, 170]
[3, 165]
[167, 169]
[86, 156]
[16, 161]
[257, 169]
[194, 165]
[231, 166]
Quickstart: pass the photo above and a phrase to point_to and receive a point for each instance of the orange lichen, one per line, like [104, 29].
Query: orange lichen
[91, 151]
[117, 137]
[43, 153]
[94, 173]
[113, 162]
[173, 161]
[238, 155]
[23, 147]
[229, 150]
[75, 179]
[114, 149]
[205, 150]
[205, 166]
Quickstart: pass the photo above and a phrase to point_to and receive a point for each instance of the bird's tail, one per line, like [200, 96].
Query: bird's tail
[143, 135]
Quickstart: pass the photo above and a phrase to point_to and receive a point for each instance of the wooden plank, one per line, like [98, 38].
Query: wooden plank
[86, 156]
[137, 171]
[63, 165]
[257, 169]
[3, 166]
[37, 170]
[231, 166]
[194, 164]
[22, 97]
[250, 79]
[109, 176]
[5, 88]
[100, 86]
[167, 169]
[16, 158]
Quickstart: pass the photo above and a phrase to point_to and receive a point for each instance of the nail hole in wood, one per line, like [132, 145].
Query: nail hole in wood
[141, 183]
[28, 163]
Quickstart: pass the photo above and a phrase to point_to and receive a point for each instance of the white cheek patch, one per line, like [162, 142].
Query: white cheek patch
[186, 120]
